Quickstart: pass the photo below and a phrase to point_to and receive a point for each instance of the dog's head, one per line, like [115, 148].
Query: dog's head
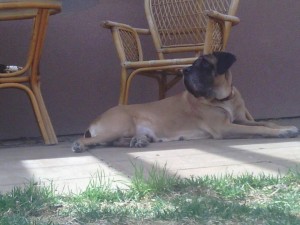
[200, 78]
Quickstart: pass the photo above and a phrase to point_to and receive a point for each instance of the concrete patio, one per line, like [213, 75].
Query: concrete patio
[72, 172]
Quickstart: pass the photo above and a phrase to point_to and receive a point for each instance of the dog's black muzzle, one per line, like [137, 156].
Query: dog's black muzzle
[197, 84]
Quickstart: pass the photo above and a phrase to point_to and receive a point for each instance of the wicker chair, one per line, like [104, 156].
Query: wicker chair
[27, 78]
[176, 26]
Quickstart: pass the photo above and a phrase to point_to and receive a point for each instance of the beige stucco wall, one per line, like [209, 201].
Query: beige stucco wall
[80, 69]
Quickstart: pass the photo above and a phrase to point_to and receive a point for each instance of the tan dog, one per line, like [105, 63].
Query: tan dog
[210, 108]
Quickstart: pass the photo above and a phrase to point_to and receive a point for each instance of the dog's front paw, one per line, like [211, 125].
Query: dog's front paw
[289, 132]
[77, 147]
[139, 142]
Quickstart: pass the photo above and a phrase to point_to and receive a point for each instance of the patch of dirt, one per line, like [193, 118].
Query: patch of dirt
[33, 141]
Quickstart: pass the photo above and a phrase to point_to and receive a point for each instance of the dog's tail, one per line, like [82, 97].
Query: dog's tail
[87, 134]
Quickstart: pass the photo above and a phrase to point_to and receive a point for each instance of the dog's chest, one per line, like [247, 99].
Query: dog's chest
[228, 108]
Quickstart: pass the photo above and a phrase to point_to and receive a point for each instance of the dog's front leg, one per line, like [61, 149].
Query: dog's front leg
[103, 138]
[246, 131]
[264, 123]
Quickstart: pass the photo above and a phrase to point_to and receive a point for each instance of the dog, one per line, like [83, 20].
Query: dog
[210, 107]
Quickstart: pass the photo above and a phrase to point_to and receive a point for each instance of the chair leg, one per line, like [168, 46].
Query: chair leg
[122, 97]
[162, 86]
[127, 85]
[45, 116]
[172, 82]
[126, 92]
[35, 107]
[165, 85]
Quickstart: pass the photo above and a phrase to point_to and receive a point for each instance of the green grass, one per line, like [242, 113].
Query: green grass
[160, 198]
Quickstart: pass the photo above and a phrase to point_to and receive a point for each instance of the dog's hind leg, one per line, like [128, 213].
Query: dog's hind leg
[111, 128]
[83, 144]
[102, 139]
[139, 141]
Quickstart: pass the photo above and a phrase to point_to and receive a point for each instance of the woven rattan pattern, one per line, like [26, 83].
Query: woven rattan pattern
[129, 45]
[183, 22]
[217, 38]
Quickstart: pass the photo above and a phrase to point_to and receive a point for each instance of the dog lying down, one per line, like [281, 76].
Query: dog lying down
[211, 107]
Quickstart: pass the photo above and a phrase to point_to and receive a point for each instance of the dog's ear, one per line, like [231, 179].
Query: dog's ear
[224, 61]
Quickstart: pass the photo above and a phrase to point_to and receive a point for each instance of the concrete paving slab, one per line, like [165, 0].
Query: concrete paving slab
[70, 172]
[52, 164]
[205, 156]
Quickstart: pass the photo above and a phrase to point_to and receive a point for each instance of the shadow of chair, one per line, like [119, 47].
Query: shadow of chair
[176, 26]
[28, 77]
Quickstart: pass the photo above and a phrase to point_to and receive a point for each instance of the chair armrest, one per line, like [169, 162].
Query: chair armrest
[160, 63]
[110, 24]
[127, 40]
[223, 17]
